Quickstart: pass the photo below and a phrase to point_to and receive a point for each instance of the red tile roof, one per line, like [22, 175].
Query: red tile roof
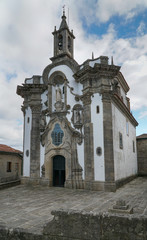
[5, 148]
[142, 136]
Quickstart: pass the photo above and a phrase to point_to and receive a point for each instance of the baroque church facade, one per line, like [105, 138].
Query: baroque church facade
[78, 128]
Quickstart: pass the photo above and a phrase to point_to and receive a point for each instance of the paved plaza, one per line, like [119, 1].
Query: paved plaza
[30, 207]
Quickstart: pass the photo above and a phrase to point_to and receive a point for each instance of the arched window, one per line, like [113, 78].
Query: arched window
[57, 135]
[60, 42]
[99, 151]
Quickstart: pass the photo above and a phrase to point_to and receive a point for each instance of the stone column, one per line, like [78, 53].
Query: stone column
[88, 143]
[108, 143]
[35, 142]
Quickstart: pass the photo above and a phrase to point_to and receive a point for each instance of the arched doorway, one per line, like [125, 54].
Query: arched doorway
[58, 171]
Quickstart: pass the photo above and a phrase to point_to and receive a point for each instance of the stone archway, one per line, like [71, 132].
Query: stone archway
[49, 156]
[58, 171]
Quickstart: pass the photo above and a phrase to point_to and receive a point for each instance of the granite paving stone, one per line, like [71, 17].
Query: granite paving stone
[29, 207]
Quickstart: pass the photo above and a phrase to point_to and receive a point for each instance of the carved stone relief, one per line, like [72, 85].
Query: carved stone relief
[77, 116]
[62, 139]
[42, 122]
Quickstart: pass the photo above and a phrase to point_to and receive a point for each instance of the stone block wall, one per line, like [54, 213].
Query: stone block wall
[74, 225]
[142, 155]
[16, 164]
[69, 225]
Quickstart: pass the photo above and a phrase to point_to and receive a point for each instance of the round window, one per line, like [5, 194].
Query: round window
[27, 153]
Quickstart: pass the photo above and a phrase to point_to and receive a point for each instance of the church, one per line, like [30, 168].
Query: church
[78, 128]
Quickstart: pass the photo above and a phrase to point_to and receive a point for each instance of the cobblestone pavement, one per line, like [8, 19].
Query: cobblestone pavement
[30, 207]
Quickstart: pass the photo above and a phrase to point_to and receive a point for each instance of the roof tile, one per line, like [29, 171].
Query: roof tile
[5, 148]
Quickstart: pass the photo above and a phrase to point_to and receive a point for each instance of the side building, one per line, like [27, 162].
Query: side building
[10, 164]
[142, 154]
[78, 128]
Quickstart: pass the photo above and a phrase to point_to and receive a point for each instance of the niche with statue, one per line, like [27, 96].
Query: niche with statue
[77, 116]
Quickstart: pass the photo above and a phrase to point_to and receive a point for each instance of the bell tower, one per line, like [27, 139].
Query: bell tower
[63, 40]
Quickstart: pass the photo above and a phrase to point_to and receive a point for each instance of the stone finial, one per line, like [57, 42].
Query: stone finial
[112, 63]
[63, 10]
[92, 55]
[104, 60]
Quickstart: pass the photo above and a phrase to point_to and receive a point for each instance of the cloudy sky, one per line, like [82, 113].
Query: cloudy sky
[115, 28]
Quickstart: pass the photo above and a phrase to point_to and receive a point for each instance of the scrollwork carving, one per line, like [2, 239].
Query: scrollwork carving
[86, 98]
[23, 109]
[35, 108]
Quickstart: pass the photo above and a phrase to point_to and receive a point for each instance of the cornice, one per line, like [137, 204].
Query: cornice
[100, 70]
[122, 82]
[63, 29]
[36, 109]
[12, 153]
[28, 89]
[119, 103]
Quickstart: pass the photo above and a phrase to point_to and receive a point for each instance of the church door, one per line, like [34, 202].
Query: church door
[58, 171]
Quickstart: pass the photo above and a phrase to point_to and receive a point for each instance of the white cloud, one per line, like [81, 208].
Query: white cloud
[141, 28]
[108, 8]
[26, 44]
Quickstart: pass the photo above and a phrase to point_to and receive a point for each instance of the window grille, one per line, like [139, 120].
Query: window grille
[97, 109]
[133, 146]
[9, 166]
[57, 135]
[120, 141]
[99, 151]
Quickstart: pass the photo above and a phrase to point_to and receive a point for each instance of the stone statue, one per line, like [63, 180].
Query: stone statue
[78, 117]
[58, 95]
[43, 122]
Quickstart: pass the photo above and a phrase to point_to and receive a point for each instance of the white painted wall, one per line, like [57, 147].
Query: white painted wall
[44, 99]
[97, 120]
[92, 62]
[27, 140]
[125, 160]
[29, 80]
[53, 97]
[41, 80]
[42, 151]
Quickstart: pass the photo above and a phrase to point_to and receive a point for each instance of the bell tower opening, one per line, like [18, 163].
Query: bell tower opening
[60, 42]
[69, 43]
[58, 171]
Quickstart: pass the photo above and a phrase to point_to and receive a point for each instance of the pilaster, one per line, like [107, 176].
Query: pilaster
[88, 143]
[108, 143]
[35, 142]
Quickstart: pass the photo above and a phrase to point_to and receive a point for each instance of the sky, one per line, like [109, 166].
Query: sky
[115, 28]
